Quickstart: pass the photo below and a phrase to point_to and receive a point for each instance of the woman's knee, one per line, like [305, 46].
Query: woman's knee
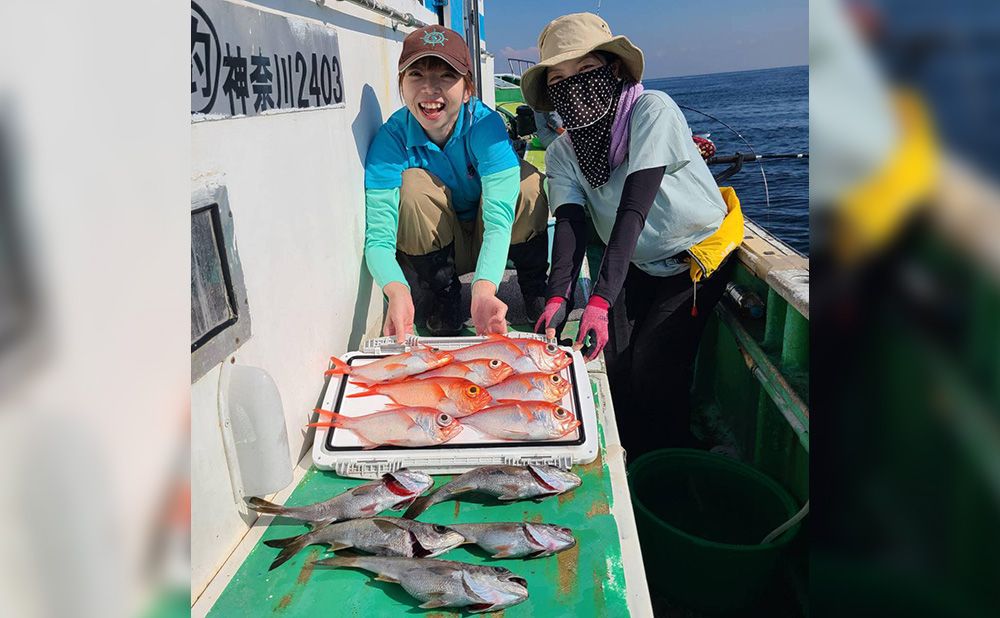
[426, 219]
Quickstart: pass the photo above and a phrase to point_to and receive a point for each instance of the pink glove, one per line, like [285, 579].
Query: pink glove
[553, 315]
[594, 323]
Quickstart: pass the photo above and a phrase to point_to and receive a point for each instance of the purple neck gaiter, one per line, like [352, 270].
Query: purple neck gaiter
[620, 128]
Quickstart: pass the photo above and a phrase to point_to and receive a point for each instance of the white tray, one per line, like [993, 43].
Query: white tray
[340, 450]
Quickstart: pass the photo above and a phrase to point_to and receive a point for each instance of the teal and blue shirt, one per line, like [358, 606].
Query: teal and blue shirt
[477, 164]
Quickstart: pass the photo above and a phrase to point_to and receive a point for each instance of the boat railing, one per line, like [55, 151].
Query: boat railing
[519, 65]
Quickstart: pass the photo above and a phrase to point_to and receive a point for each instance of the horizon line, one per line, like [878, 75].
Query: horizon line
[787, 66]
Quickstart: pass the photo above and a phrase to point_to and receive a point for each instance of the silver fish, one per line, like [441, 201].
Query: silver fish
[505, 483]
[383, 536]
[444, 583]
[394, 490]
[517, 539]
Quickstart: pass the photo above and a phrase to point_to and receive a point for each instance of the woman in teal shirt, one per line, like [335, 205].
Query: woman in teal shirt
[445, 194]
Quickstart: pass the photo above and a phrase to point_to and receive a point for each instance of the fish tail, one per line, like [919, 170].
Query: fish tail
[263, 506]
[339, 367]
[336, 420]
[338, 562]
[289, 547]
[417, 507]
[365, 393]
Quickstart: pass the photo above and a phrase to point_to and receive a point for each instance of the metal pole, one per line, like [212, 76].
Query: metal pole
[472, 38]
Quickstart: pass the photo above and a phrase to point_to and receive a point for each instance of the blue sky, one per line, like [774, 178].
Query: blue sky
[678, 37]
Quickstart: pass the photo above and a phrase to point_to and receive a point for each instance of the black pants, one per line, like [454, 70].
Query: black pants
[653, 341]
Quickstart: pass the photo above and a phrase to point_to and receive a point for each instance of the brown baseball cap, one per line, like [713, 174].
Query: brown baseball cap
[438, 41]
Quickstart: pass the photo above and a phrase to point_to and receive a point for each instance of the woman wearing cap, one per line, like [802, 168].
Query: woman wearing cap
[445, 194]
[627, 157]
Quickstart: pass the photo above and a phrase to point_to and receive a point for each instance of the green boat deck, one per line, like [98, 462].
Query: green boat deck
[601, 576]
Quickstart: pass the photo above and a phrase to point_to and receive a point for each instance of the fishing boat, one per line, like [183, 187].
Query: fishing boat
[279, 284]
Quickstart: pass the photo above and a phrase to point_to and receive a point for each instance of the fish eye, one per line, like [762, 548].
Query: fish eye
[473, 390]
[566, 530]
[551, 348]
[561, 412]
[499, 570]
[555, 378]
[444, 420]
[440, 529]
[494, 364]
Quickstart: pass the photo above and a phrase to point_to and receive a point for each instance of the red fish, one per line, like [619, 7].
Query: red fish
[408, 426]
[524, 355]
[456, 396]
[482, 371]
[531, 387]
[527, 420]
[395, 367]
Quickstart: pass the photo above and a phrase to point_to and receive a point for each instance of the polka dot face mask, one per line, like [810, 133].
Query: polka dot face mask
[586, 103]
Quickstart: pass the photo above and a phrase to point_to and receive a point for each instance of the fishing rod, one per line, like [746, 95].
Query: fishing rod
[736, 161]
[758, 158]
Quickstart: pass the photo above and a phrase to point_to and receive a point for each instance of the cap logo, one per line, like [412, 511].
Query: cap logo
[434, 37]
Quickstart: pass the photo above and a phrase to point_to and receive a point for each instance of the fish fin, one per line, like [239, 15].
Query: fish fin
[363, 490]
[507, 400]
[399, 506]
[418, 506]
[371, 509]
[497, 337]
[385, 525]
[386, 578]
[337, 545]
[437, 601]
[339, 367]
[393, 406]
[369, 446]
[368, 392]
[461, 490]
[504, 552]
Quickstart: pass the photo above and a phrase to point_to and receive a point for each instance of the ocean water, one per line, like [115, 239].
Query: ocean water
[770, 108]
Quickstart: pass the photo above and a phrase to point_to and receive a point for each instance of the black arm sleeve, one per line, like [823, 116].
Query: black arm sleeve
[637, 198]
[569, 243]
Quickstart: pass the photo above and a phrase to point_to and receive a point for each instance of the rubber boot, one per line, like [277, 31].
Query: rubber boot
[531, 259]
[435, 276]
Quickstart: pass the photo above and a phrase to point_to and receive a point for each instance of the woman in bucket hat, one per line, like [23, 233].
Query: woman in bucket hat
[627, 157]
[445, 194]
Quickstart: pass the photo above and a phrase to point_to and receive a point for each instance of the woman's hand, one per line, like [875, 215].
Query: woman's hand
[399, 317]
[553, 316]
[489, 313]
[593, 322]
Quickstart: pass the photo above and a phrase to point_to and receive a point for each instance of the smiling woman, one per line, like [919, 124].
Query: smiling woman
[445, 195]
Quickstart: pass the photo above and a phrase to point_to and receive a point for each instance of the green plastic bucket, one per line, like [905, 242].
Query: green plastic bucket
[701, 518]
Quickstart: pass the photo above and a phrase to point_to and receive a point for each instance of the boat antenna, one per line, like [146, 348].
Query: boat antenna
[760, 163]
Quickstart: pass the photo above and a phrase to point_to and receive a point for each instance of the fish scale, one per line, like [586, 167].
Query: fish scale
[444, 583]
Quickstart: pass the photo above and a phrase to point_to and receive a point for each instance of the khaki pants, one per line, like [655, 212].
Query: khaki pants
[427, 221]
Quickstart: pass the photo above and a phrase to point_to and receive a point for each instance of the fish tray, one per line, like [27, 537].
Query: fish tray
[340, 450]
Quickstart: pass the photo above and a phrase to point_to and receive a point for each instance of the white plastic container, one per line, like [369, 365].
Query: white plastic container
[340, 450]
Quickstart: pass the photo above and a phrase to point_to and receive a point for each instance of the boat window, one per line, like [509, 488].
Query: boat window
[220, 312]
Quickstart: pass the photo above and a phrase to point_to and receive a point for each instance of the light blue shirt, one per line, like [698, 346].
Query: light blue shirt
[688, 206]
[479, 146]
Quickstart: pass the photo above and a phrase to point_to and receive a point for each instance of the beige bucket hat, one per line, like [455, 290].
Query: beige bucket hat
[569, 37]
